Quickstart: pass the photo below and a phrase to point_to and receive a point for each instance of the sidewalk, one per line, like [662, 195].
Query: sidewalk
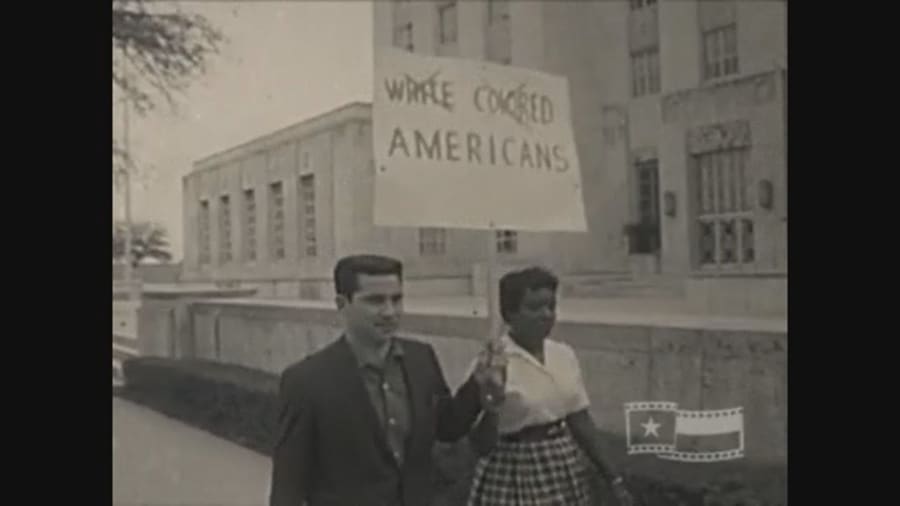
[161, 462]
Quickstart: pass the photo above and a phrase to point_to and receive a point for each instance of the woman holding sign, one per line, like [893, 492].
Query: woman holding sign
[534, 436]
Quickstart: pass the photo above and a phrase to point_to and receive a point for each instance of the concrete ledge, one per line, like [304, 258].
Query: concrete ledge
[181, 292]
[469, 314]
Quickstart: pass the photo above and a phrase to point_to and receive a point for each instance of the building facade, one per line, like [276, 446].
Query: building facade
[700, 133]
[278, 211]
[265, 212]
[680, 119]
[679, 114]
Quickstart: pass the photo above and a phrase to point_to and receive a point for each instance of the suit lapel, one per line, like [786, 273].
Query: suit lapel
[357, 396]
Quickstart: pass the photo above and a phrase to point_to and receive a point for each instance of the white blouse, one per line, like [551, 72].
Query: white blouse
[539, 393]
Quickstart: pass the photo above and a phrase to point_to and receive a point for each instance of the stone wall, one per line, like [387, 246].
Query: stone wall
[698, 368]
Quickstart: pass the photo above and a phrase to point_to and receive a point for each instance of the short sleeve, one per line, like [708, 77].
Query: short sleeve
[580, 399]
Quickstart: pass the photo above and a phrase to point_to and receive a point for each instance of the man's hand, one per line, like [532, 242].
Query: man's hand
[490, 375]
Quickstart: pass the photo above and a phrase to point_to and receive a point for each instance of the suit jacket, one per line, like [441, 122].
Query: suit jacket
[331, 449]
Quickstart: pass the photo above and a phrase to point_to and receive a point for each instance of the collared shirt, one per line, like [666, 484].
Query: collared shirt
[389, 395]
[540, 393]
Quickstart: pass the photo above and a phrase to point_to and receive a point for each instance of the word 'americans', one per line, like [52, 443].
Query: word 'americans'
[519, 104]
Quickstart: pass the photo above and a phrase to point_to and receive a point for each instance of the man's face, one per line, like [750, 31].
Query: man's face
[375, 308]
[536, 315]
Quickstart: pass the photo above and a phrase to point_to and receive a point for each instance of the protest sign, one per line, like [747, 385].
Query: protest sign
[471, 144]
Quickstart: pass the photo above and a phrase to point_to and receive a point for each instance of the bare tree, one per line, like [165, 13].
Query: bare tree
[158, 49]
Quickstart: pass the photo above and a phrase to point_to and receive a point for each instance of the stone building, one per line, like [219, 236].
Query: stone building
[679, 113]
[680, 118]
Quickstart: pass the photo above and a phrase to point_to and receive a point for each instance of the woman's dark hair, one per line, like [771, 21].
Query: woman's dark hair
[513, 286]
[348, 269]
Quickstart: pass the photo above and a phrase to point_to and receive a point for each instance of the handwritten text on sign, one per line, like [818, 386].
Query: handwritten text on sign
[469, 144]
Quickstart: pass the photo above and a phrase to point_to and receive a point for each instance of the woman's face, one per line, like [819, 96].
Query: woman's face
[536, 315]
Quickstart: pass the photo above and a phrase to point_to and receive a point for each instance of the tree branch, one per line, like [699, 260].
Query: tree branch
[164, 51]
[157, 53]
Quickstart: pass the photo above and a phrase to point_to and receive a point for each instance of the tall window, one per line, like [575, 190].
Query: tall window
[249, 225]
[498, 11]
[645, 72]
[645, 237]
[724, 208]
[403, 36]
[648, 191]
[203, 235]
[640, 4]
[644, 48]
[498, 34]
[276, 220]
[448, 21]
[507, 241]
[307, 192]
[225, 254]
[720, 56]
[432, 241]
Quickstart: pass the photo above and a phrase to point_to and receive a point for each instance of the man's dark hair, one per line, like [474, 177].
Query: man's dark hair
[348, 269]
[513, 286]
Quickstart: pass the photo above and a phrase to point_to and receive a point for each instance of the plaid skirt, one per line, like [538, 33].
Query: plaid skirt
[552, 472]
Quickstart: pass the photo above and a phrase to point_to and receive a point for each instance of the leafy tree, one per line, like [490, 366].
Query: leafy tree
[148, 240]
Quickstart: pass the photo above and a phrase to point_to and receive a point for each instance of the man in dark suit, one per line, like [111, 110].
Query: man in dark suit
[359, 418]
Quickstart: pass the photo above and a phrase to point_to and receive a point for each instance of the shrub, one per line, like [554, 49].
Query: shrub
[236, 403]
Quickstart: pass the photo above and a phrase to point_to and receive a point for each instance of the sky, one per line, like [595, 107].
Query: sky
[283, 62]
